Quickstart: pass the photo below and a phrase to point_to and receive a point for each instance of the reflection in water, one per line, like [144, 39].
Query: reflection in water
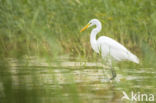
[70, 82]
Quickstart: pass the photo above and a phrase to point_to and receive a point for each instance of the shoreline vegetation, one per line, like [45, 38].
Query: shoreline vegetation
[52, 28]
[35, 34]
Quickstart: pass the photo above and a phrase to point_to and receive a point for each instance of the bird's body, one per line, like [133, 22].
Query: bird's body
[108, 47]
[111, 48]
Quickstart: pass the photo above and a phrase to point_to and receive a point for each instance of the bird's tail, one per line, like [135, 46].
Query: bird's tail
[134, 58]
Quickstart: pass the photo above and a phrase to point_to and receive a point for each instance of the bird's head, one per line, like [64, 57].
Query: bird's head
[91, 23]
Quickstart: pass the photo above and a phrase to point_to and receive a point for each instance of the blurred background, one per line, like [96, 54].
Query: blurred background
[37, 36]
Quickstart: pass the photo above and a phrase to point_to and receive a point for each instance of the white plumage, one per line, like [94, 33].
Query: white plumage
[109, 48]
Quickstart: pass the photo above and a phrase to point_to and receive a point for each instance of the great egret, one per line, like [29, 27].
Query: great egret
[107, 47]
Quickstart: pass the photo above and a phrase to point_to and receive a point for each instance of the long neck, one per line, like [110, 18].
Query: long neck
[93, 36]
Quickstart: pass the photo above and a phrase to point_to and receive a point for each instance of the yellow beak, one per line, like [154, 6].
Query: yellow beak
[85, 28]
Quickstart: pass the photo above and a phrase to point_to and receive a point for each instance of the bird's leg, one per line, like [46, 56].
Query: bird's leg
[112, 70]
[113, 73]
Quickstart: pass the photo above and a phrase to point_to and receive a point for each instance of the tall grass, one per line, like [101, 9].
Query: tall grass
[51, 27]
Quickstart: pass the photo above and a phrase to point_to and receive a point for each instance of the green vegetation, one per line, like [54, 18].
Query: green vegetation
[50, 28]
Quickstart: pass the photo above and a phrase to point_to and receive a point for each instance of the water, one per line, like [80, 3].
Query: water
[69, 82]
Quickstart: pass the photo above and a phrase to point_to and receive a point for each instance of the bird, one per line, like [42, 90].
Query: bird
[108, 48]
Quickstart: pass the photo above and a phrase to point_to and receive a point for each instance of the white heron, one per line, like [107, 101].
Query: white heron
[107, 47]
